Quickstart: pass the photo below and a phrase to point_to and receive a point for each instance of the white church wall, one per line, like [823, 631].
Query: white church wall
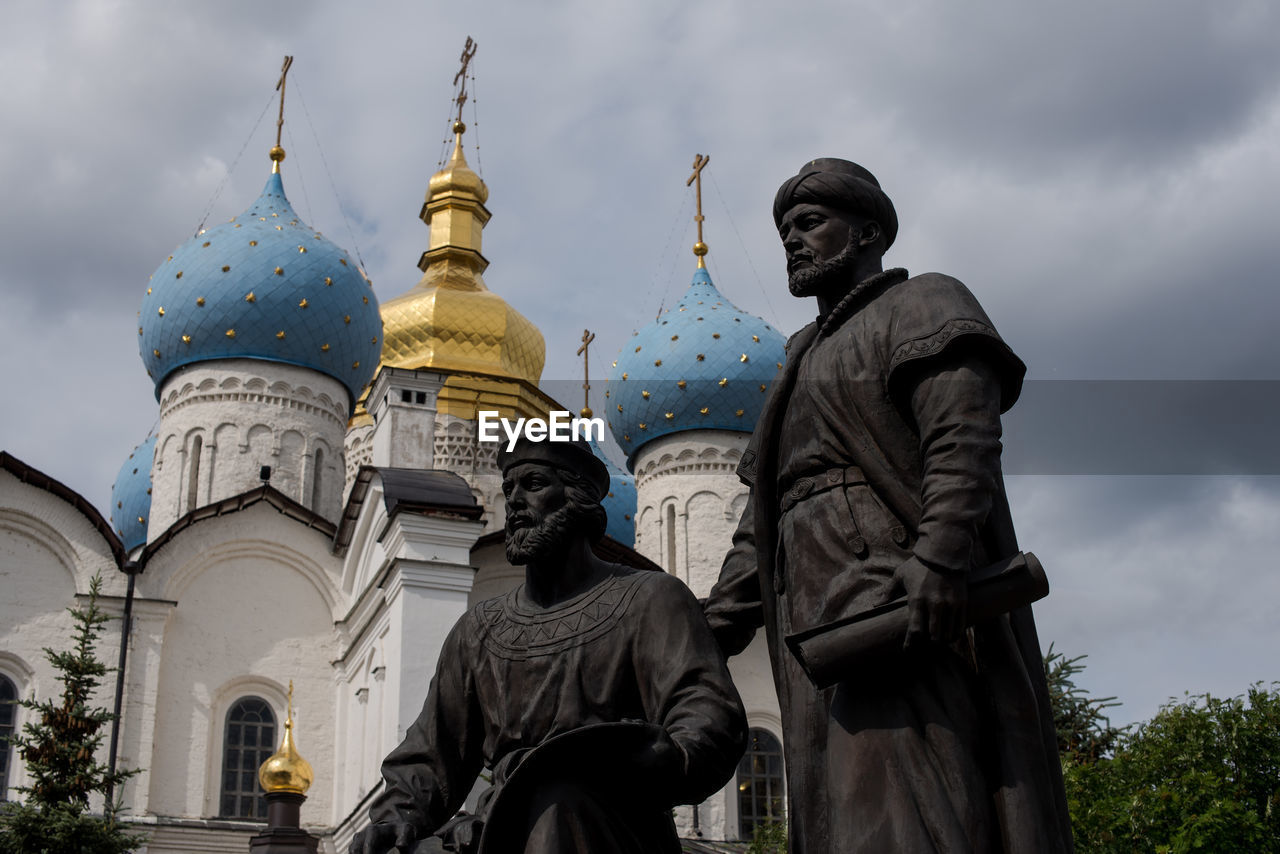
[408, 578]
[686, 489]
[268, 414]
[254, 600]
[49, 551]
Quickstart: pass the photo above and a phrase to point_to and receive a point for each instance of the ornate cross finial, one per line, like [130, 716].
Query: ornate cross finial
[277, 153]
[289, 717]
[468, 52]
[587, 337]
[699, 161]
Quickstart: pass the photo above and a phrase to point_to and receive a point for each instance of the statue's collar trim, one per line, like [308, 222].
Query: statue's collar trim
[852, 299]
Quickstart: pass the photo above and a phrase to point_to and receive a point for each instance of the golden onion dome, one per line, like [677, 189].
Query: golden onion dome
[451, 321]
[285, 770]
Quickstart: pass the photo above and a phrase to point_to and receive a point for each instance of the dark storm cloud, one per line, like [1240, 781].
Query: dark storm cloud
[1104, 85]
[1163, 582]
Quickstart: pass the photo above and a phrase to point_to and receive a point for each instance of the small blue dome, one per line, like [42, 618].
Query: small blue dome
[262, 286]
[704, 365]
[131, 496]
[620, 503]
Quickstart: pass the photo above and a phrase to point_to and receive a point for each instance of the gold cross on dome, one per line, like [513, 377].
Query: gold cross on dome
[587, 337]
[699, 162]
[277, 153]
[468, 52]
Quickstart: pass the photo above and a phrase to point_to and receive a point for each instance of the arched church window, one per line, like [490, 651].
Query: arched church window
[315, 481]
[760, 785]
[193, 473]
[8, 723]
[249, 740]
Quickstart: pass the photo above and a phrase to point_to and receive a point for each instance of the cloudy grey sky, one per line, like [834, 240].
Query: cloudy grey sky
[1103, 175]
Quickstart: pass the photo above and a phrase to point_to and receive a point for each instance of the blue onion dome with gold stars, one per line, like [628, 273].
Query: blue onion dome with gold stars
[267, 286]
[620, 502]
[702, 365]
[131, 496]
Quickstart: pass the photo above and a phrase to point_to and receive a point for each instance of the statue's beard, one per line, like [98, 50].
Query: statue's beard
[547, 536]
[825, 276]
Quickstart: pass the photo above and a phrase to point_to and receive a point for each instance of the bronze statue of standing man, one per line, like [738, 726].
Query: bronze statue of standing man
[875, 474]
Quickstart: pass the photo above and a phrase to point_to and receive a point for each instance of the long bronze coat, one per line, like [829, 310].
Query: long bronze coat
[879, 442]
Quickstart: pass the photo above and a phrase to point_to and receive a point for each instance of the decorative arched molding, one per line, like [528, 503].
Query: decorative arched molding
[693, 496]
[42, 533]
[707, 460]
[283, 555]
[19, 672]
[165, 449]
[226, 429]
[766, 719]
[281, 393]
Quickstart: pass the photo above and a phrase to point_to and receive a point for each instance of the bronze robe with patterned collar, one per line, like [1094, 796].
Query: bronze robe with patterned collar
[879, 441]
[514, 677]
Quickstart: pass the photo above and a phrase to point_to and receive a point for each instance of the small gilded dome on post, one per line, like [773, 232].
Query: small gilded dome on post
[286, 770]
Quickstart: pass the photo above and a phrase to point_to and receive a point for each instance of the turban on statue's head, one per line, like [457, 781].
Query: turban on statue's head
[840, 184]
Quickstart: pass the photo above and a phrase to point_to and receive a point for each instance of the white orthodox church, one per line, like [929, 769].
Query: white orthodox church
[315, 508]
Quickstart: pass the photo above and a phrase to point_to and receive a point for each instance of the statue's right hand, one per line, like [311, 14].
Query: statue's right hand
[383, 838]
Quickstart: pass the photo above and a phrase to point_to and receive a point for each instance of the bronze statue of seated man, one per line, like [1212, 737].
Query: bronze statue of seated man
[594, 692]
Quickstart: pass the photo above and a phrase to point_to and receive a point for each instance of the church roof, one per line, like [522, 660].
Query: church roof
[703, 365]
[422, 490]
[264, 285]
[131, 496]
[426, 491]
[40, 480]
[265, 494]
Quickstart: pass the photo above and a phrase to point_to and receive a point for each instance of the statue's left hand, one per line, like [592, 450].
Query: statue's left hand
[383, 838]
[659, 758]
[936, 603]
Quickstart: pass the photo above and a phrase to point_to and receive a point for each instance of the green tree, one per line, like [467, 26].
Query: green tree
[769, 838]
[59, 746]
[1084, 730]
[1202, 775]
